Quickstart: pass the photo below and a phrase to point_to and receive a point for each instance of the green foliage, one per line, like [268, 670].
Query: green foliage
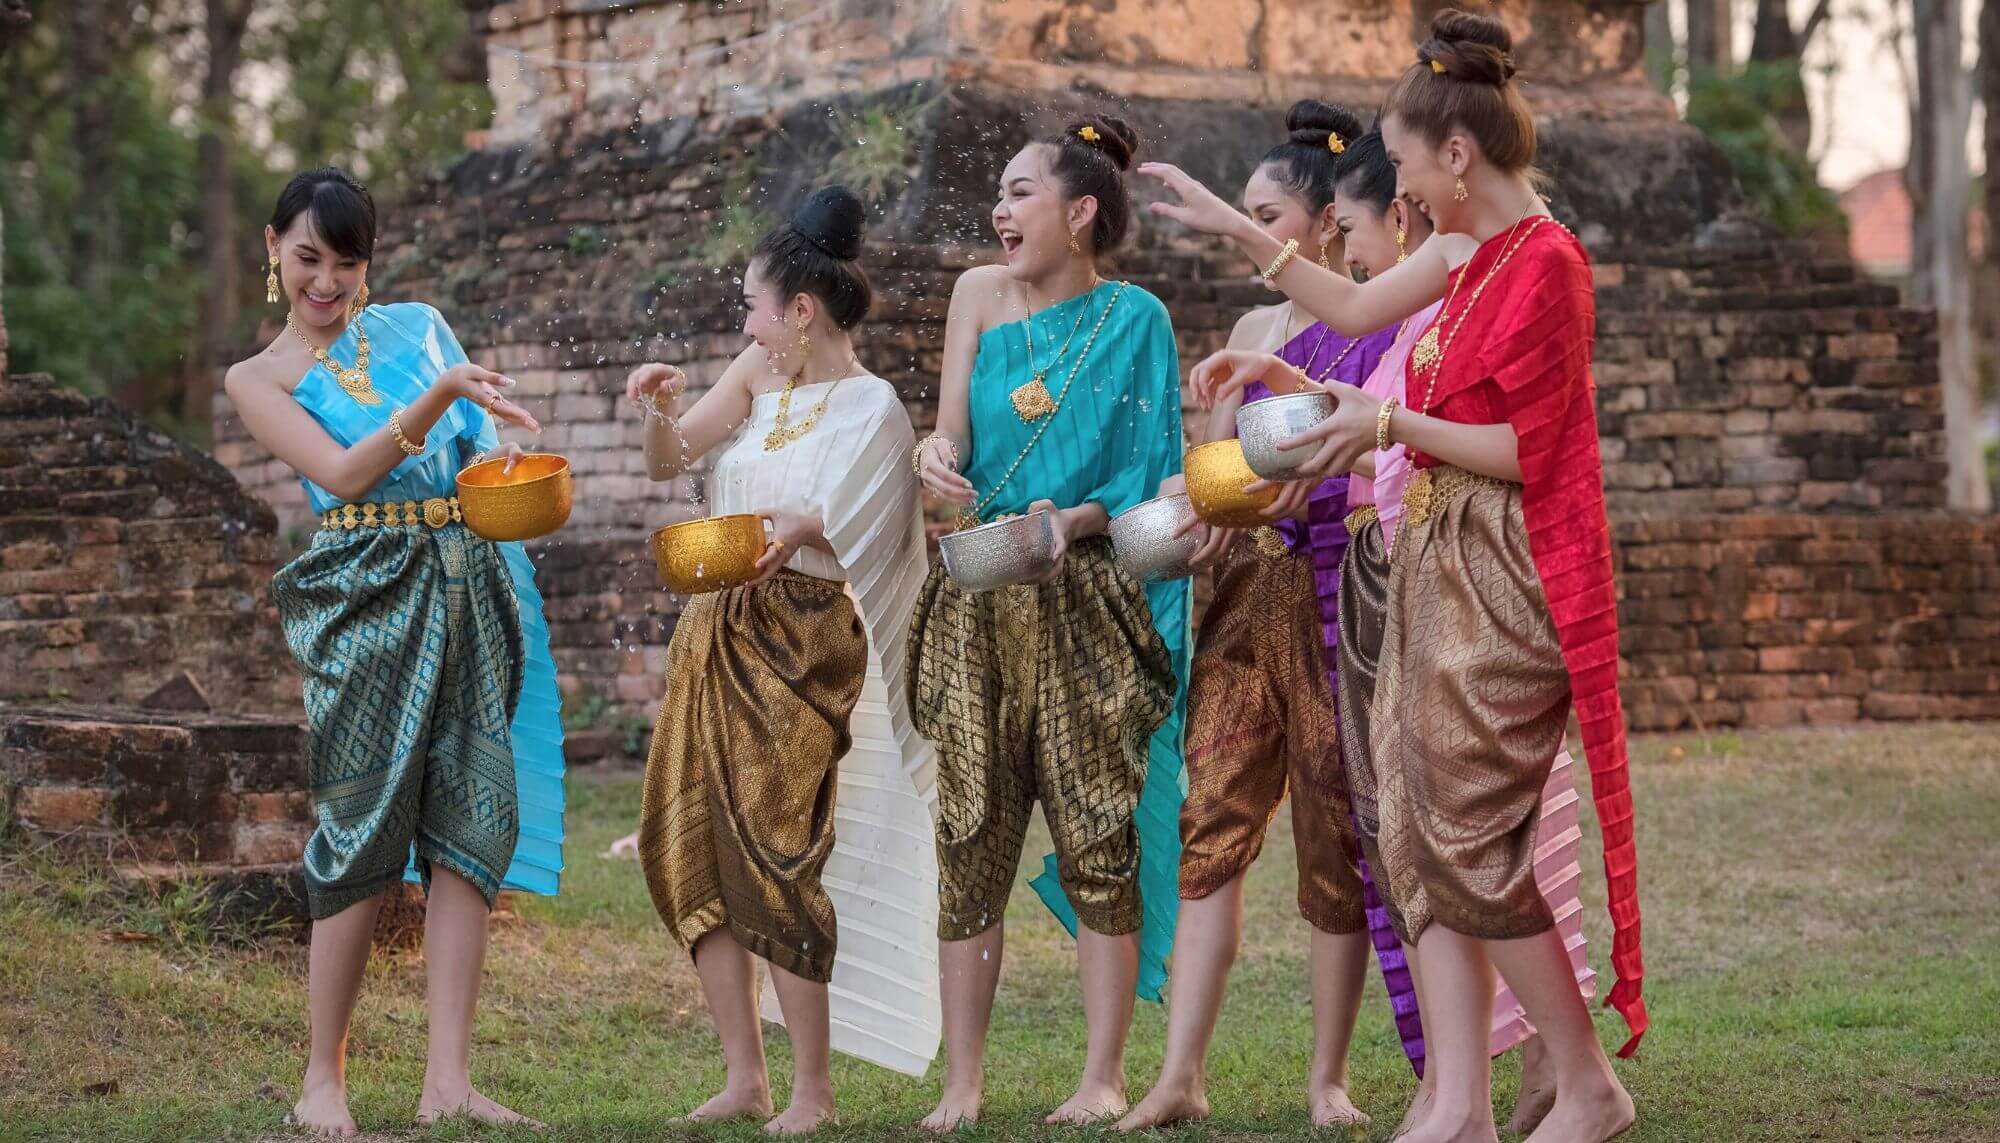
[873, 141]
[740, 224]
[104, 262]
[1738, 114]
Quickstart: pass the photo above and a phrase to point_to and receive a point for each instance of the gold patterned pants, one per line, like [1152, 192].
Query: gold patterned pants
[1471, 699]
[1260, 717]
[737, 820]
[1046, 691]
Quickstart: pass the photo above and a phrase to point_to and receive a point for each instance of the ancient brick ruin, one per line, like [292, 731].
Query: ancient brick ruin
[134, 596]
[1771, 422]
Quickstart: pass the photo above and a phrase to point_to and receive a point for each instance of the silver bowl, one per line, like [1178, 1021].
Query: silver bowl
[1019, 549]
[1143, 536]
[1260, 425]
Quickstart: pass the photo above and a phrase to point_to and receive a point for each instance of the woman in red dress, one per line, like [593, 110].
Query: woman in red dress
[1502, 614]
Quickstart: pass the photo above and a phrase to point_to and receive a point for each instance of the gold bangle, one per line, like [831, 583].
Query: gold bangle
[1382, 424]
[403, 442]
[1283, 259]
[917, 454]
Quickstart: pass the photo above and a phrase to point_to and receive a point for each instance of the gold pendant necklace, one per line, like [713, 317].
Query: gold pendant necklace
[1433, 361]
[783, 433]
[1032, 401]
[355, 381]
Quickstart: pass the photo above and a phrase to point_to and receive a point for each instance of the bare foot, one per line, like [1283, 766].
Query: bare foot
[1166, 1105]
[1092, 1103]
[1439, 1127]
[805, 1115]
[322, 1110]
[474, 1106]
[732, 1103]
[1538, 1087]
[1332, 1107]
[1420, 1106]
[959, 1107]
[1587, 1117]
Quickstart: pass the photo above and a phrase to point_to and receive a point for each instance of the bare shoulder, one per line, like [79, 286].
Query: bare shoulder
[983, 293]
[270, 368]
[1257, 329]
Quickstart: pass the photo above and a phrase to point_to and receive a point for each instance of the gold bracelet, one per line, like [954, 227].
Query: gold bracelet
[917, 453]
[1283, 259]
[396, 434]
[1382, 424]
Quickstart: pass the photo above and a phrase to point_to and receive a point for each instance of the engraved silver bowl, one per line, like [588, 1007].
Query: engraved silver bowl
[1019, 549]
[1143, 536]
[1260, 425]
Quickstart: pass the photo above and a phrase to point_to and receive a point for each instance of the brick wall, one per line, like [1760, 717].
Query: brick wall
[125, 558]
[1768, 620]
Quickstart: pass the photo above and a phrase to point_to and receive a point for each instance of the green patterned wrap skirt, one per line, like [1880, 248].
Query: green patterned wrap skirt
[410, 641]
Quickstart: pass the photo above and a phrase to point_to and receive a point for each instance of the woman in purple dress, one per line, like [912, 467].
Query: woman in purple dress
[1260, 702]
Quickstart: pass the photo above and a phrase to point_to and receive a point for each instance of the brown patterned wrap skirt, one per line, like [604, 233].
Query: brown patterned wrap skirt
[1261, 717]
[1364, 599]
[1470, 705]
[1046, 691]
[737, 820]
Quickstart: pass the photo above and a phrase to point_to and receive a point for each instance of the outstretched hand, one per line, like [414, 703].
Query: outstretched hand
[1198, 207]
[1227, 372]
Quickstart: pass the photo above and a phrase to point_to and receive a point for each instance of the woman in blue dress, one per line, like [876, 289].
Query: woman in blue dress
[1060, 392]
[435, 747]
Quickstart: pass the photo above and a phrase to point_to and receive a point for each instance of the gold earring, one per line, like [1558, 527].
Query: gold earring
[1402, 252]
[271, 294]
[805, 348]
[359, 303]
[1458, 192]
[1073, 247]
[1324, 263]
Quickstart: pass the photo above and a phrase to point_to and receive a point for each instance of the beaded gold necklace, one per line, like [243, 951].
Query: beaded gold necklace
[970, 517]
[783, 433]
[354, 382]
[1428, 355]
[1032, 401]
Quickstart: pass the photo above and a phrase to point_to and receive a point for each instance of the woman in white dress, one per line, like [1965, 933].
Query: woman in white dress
[788, 800]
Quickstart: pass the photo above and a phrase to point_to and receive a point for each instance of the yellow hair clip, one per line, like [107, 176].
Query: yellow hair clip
[1087, 133]
[1437, 66]
[1334, 144]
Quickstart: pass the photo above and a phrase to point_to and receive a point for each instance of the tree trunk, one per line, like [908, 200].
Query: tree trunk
[87, 64]
[1940, 179]
[1988, 296]
[1774, 40]
[1659, 30]
[223, 25]
[1710, 46]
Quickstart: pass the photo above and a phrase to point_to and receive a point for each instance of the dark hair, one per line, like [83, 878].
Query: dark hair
[1304, 163]
[339, 211]
[1463, 80]
[1365, 173]
[814, 253]
[1096, 166]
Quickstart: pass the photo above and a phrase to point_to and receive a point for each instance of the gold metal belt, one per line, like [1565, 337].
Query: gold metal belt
[433, 513]
[1360, 518]
[1431, 490]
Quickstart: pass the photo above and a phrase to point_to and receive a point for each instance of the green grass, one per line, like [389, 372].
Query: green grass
[1819, 925]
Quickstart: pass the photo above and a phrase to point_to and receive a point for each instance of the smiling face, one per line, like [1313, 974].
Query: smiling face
[1033, 218]
[1286, 217]
[319, 282]
[775, 323]
[1424, 173]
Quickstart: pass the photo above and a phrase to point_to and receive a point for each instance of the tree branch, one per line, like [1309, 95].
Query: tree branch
[1820, 12]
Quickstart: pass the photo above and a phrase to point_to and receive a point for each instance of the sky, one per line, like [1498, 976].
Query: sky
[1861, 117]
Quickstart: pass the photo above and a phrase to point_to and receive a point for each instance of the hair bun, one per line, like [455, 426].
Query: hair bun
[1112, 135]
[832, 218]
[1470, 47]
[1312, 122]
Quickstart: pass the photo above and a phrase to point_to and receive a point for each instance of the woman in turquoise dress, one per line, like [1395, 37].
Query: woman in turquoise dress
[1060, 392]
[435, 748]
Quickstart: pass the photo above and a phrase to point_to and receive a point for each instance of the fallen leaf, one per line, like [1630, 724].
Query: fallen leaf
[129, 936]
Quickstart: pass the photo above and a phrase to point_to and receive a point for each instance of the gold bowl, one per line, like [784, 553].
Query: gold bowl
[709, 554]
[533, 500]
[1216, 474]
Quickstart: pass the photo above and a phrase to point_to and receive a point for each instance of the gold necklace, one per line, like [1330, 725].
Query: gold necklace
[1032, 401]
[1304, 372]
[355, 381]
[969, 517]
[782, 433]
[1435, 360]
